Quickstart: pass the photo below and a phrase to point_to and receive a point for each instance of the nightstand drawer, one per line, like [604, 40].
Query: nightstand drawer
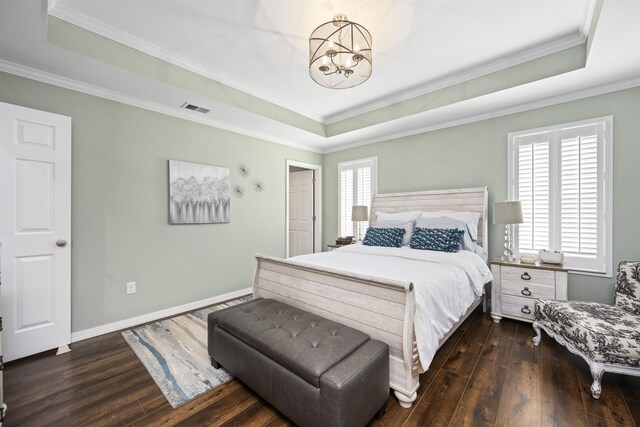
[517, 306]
[524, 275]
[528, 290]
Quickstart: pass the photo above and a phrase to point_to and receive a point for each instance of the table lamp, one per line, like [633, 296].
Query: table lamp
[358, 215]
[507, 213]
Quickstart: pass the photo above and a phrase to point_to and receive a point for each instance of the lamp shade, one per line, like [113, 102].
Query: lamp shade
[507, 213]
[359, 213]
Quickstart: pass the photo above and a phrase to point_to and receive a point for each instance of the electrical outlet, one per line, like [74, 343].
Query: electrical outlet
[131, 288]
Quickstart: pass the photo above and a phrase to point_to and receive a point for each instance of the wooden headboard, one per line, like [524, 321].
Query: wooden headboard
[457, 200]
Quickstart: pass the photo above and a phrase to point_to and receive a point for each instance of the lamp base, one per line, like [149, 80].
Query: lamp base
[508, 245]
[358, 232]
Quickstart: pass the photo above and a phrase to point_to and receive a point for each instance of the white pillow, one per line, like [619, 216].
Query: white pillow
[471, 218]
[397, 216]
[407, 225]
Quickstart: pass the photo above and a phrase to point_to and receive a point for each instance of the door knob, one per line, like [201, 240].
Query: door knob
[61, 243]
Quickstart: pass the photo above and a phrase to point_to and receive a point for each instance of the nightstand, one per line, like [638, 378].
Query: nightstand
[517, 285]
[332, 247]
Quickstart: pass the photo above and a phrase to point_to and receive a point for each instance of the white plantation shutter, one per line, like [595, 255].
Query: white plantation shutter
[363, 185]
[357, 181]
[562, 176]
[346, 202]
[534, 191]
[579, 175]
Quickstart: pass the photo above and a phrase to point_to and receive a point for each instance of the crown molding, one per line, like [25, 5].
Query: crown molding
[474, 72]
[526, 106]
[461, 77]
[75, 85]
[49, 78]
[586, 23]
[83, 21]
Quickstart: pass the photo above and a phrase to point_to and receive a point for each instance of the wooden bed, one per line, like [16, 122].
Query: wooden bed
[382, 308]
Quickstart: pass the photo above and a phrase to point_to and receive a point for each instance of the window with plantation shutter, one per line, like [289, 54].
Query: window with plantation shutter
[357, 181]
[562, 176]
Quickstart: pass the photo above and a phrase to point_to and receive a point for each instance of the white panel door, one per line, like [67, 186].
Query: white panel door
[301, 215]
[35, 229]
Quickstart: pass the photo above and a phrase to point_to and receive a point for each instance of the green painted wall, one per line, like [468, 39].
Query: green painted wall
[120, 228]
[475, 155]
[120, 176]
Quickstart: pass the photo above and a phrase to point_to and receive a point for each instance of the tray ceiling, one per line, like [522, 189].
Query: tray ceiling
[436, 63]
[261, 47]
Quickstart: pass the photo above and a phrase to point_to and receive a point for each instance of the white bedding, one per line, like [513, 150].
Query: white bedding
[446, 284]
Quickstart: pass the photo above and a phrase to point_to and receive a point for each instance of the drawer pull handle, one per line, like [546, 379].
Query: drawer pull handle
[526, 292]
[525, 276]
[525, 309]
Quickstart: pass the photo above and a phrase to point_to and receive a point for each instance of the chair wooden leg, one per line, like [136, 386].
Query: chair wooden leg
[538, 337]
[597, 371]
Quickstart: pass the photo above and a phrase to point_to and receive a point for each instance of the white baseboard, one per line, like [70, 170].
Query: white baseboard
[150, 317]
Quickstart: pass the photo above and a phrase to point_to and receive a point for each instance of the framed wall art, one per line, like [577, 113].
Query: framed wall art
[198, 194]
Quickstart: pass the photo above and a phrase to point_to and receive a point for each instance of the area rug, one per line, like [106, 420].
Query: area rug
[174, 351]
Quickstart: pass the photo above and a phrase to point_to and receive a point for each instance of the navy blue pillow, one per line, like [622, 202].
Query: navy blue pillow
[388, 237]
[437, 239]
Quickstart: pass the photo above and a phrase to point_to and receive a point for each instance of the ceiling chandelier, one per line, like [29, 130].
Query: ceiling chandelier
[340, 54]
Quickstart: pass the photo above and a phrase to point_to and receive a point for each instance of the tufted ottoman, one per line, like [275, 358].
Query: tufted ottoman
[315, 371]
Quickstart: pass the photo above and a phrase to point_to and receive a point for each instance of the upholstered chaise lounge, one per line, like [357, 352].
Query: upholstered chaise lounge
[315, 371]
[607, 337]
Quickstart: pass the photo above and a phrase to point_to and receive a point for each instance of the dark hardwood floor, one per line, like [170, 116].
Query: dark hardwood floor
[486, 374]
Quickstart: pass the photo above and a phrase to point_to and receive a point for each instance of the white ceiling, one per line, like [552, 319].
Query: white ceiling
[260, 47]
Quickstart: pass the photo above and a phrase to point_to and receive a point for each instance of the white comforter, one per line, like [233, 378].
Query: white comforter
[445, 283]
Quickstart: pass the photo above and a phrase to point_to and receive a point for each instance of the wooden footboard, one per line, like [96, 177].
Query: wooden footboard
[382, 308]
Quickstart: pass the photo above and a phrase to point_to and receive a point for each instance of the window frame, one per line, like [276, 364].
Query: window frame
[353, 164]
[605, 168]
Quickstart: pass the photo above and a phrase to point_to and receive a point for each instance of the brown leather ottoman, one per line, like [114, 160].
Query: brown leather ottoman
[315, 371]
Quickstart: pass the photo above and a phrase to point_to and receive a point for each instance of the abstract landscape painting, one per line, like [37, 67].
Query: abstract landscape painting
[198, 194]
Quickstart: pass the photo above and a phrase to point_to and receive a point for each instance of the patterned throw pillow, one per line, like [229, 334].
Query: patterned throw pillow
[388, 237]
[437, 239]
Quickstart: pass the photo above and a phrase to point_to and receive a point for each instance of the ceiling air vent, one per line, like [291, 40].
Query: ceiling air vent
[195, 108]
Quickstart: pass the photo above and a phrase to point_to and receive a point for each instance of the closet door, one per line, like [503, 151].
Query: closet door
[301, 213]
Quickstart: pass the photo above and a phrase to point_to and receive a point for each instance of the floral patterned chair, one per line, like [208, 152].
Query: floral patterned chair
[606, 336]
